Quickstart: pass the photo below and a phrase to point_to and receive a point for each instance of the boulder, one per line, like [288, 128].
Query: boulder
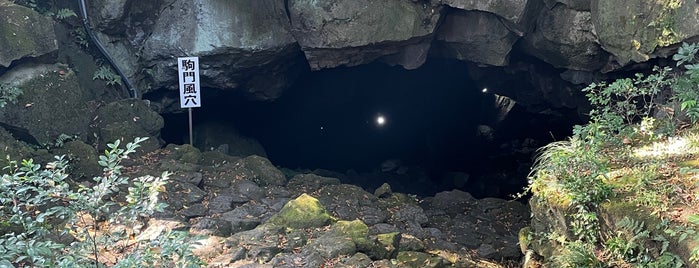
[579, 5]
[240, 44]
[303, 212]
[565, 38]
[309, 183]
[349, 202]
[127, 119]
[108, 13]
[24, 33]
[348, 33]
[260, 244]
[476, 36]
[518, 14]
[632, 30]
[343, 238]
[420, 259]
[51, 103]
[259, 170]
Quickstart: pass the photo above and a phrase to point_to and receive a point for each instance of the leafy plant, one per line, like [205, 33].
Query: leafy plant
[9, 94]
[105, 73]
[578, 254]
[65, 13]
[81, 37]
[620, 104]
[633, 243]
[41, 208]
[686, 87]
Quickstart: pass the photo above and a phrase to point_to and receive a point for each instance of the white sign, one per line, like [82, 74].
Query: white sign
[188, 69]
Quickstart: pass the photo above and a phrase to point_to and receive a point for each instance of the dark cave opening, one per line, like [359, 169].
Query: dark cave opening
[441, 131]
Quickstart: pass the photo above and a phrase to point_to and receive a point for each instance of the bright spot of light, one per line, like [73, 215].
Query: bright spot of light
[380, 120]
[485, 90]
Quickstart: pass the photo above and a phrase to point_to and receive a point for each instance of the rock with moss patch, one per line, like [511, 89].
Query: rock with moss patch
[127, 119]
[303, 212]
[183, 153]
[634, 30]
[357, 260]
[24, 33]
[259, 170]
[52, 103]
[420, 259]
[308, 183]
[383, 191]
[261, 244]
[385, 246]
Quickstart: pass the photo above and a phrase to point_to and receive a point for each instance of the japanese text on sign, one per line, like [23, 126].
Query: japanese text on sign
[188, 69]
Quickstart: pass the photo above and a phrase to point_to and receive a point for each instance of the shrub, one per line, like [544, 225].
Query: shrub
[686, 87]
[40, 209]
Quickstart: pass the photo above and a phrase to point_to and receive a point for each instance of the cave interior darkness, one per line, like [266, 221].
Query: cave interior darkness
[327, 122]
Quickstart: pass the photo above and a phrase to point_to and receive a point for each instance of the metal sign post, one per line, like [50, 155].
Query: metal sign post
[190, 93]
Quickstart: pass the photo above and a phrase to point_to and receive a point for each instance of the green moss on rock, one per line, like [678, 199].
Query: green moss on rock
[128, 119]
[386, 246]
[184, 153]
[52, 103]
[303, 212]
[24, 33]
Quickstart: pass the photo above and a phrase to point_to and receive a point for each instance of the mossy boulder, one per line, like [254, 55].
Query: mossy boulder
[24, 33]
[343, 238]
[259, 170]
[303, 212]
[184, 153]
[385, 246]
[127, 119]
[51, 103]
[349, 237]
[633, 30]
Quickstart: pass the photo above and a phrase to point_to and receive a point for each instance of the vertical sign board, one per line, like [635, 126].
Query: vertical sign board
[188, 68]
[190, 93]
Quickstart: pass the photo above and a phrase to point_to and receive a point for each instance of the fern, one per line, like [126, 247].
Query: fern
[106, 74]
[65, 13]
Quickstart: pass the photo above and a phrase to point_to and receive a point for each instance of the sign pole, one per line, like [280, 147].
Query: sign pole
[190, 127]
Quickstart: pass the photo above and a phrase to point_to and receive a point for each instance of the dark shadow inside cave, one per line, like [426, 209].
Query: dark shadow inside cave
[441, 130]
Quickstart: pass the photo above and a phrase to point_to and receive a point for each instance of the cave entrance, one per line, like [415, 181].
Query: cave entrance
[423, 131]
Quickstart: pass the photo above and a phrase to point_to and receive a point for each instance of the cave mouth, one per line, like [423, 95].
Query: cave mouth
[423, 131]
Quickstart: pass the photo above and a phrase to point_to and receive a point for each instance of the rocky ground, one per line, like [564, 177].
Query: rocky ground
[251, 214]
